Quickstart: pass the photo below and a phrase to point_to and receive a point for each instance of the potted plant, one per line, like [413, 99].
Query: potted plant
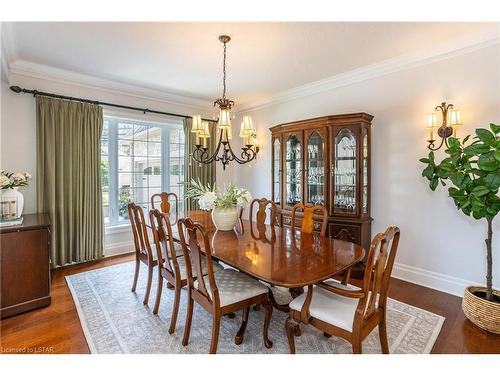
[472, 166]
[12, 200]
[224, 204]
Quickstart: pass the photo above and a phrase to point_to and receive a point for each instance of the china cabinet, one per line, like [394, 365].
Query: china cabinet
[326, 161]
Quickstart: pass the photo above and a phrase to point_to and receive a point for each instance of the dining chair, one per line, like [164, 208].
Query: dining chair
[165, 204]
[143, 252]
[172, 268]
[261, 215]
[345, 310]
[309, 210]
[218, 293]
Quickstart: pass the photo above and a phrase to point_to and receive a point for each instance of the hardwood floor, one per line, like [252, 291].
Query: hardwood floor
[57, 329]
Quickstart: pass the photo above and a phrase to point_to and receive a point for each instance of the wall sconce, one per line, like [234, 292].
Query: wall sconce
[451, 119]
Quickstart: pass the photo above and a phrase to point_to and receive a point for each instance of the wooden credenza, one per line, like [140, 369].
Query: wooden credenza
[25, 265]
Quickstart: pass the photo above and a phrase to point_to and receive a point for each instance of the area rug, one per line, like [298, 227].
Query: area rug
[114, 320]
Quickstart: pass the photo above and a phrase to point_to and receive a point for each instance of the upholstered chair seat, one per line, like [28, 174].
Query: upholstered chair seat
[182, 266]
[234, 286]
[329, 307]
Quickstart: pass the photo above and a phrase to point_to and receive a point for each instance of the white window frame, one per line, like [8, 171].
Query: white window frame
[113, 120]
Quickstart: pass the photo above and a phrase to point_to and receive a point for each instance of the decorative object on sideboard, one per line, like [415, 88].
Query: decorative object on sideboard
[225, 205]
[11, 199]
[247, 131]
[473, 168]
[450, 120]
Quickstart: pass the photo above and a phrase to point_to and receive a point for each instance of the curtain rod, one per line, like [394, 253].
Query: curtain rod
[18, 90]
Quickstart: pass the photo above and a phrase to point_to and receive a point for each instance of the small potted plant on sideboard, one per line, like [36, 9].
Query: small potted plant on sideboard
[472, 166]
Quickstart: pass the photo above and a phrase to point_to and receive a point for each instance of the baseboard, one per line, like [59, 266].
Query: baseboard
[434, 280]
[118, 248]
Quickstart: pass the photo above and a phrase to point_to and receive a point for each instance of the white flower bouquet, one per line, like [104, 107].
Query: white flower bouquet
[10, 180]
[210, 197]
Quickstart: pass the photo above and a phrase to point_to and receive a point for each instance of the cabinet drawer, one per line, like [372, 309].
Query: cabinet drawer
[346, 232]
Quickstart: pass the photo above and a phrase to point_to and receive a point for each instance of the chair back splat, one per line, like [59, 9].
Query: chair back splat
[164, 240]
[139, 230]
[189, 233]
[379, 264]
[309, 210]
[165, 202]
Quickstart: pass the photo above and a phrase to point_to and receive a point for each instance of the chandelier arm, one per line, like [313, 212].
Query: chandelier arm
[249, 157]
[212, 157]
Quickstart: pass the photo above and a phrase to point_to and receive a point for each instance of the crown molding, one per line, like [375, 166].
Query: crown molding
[456, 48]
[7, 49]
[33, 70]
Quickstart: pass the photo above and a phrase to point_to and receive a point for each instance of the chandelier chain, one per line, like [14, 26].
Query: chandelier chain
[224, 73]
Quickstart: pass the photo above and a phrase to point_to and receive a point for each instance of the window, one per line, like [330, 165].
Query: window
[139, 159]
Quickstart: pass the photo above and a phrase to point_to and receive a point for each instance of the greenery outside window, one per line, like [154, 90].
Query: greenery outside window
[139, 159]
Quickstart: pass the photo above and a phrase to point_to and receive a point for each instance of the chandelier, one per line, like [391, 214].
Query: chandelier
[223, 151]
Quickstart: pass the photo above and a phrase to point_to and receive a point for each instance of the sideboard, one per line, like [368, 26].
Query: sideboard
[25, 265]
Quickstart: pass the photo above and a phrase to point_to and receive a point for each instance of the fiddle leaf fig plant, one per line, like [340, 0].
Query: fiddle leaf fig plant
[472, 168]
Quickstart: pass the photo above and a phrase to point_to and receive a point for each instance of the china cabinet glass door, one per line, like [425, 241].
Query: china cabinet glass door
[344, 173]
[293, 170]
[276, 170]
[315, 167]
[365, 177]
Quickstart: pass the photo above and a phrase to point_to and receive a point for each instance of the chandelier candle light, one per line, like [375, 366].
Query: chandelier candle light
[223, 151]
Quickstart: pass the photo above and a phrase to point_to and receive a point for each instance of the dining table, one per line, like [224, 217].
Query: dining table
[278, 255]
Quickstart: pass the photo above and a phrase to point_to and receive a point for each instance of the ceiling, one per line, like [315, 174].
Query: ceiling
[264, 59]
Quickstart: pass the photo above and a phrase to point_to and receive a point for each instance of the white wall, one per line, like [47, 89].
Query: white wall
[18, 131]
[440, 247]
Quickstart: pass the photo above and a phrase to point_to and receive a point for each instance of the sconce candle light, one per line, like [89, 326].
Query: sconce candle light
[451, 119]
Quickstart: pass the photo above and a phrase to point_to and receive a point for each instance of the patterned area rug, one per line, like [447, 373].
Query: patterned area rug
[114, 320]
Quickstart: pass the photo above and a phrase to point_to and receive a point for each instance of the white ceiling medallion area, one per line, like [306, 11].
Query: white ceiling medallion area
[457, 47]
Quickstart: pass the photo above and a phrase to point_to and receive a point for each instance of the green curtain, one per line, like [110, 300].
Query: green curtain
[194, 170]
[69, 177]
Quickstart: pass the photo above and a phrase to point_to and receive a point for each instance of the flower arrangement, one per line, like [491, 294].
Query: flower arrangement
[11, 180]
[210, 197]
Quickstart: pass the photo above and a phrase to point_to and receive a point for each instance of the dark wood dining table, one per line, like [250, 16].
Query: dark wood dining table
[280, 256]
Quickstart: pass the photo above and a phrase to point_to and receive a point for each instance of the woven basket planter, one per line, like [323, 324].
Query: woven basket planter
[483, 313]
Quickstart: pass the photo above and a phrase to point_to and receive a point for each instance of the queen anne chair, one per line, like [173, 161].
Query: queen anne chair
[143, 252]
[165, 205]
[218, 293]
[345, 310]
[308, 224]
[173, 266]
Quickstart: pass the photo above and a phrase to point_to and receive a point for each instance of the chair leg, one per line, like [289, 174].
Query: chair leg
[382, 331]
[268, 312]
[357, 345]
[148, 285]
[158, 293]
[256, 307]
[175, 309]
[136, 275]
[290, 327]
[241, 332]
[189, 318]
[215, 333]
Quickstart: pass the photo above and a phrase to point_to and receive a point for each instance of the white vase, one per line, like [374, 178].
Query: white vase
[225, 218]
[12, 204]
